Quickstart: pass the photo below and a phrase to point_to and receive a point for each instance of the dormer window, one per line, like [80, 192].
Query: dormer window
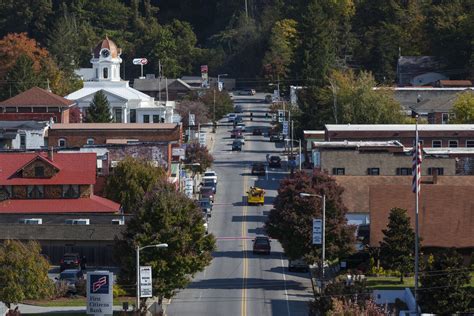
[39, 171]
[35, 192]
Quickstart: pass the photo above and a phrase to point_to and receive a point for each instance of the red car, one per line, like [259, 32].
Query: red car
[261, 244]
[235, 133]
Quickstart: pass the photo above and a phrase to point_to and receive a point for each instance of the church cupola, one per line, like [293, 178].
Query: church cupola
[106, 61]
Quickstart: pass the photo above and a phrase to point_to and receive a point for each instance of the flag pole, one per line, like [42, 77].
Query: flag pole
[417, 194]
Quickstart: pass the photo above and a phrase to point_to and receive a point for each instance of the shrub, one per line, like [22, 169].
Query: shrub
[118, 291]
[81, 287]
[60, 289]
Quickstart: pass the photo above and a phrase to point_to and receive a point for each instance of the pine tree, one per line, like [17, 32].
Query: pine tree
[443, 289]
[99, 109]
[21, 77]
[398, 245]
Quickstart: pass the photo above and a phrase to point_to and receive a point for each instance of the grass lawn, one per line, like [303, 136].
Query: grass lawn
[393, 283]
[76, 301]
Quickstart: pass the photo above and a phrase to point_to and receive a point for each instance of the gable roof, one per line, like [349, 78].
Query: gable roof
[441, 103]
[76, 168]
[37, 97]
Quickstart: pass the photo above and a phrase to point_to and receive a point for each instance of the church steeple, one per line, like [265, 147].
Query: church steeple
[106, 61]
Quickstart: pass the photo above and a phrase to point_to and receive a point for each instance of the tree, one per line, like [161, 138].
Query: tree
[200, 111]
[197, 153]
[23, 272]
[21, 77]
[131, 180]
[344, 307]
[223, 103]
[291, 219]
[398, 245]
[166, 216]
[99, 109]
[444, 283]
[463, 109]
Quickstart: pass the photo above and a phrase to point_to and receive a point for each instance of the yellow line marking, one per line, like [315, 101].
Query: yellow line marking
[244, 249]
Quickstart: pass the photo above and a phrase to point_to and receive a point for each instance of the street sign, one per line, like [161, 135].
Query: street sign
[100, 293]
[285, 128]
[145, 281]
[220, 85]
[317, 231]
[192, 120]
[140, 61]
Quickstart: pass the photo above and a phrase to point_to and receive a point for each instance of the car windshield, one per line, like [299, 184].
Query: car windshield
[209, 174]
[261, 241]
[67, 276]
[206, 190]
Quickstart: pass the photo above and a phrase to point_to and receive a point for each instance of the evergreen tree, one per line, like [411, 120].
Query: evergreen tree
[166, 216]
[99, 109]
[398, 245]
[21, 77]
[443, 285]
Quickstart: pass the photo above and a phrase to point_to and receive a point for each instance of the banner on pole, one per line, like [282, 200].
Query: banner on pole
[317, 231]
[145, 281]
[192, 120]
[285, 128]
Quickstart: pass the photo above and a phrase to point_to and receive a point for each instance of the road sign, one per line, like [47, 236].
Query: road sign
[202, 139]
[285, 128]
[140, 61]
[317, 231]
[100, 293]
[145, 281]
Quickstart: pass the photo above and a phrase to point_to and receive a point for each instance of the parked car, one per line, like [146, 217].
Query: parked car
[236, 145]
[207, 192]
[274, 162]
[261, 244]
[231, 117]
[206, 223]
[206, 206]
[276, 138]
[70, 261]
[246, 91]
[297, 265]
[257, 131]
[209, 182]
[210, 173]
[258, 168]
[71, 277]
[235, 132]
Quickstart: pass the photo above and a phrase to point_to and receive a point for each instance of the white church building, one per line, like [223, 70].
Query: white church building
[127, 104]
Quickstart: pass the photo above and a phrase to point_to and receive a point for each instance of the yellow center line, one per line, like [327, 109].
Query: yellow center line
[244, 249]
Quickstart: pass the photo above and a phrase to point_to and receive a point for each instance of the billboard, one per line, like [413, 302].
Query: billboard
[100, 292]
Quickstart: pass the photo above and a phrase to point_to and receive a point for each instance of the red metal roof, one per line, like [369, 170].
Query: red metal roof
[93, 204]
[74, 168]
[37, 97]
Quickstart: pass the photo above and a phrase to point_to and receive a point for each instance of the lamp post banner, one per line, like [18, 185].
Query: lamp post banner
[100, 293]
[317, 231]
[145, 281]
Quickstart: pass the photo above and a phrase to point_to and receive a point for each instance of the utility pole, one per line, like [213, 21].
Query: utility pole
[159, 81]
[214, 107]
[246, 9]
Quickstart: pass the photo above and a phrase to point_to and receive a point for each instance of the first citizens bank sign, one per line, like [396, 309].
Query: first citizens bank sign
[100, 293]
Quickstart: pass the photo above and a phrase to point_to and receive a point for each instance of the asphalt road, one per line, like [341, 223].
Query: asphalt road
[238, 282]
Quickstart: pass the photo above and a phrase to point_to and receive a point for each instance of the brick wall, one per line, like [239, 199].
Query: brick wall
[356, 162]
[58, 117]
[29, 171]
[78, 138]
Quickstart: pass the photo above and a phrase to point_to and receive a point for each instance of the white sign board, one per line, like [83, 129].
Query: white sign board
[317, 231]
[140, 61]
[100, 293]
[285, 128]
[192, 120]
[178, 151]
[145, 282]
[281, 116]
[220, 85]
[202, 139]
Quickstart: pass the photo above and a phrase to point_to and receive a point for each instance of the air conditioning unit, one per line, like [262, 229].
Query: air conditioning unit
[31, 221]
[80, 221]
[118, 222]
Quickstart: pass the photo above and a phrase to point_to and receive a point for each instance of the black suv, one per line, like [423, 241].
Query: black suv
[274, 162]
[258, 168]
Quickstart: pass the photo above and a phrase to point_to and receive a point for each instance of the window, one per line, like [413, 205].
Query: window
[156, 118]
[118, 115]
[436, 144]
[31, 221]
[146, 118]
[444, 118]
[35, 192]
[133, 116]
[23, 141]
[97, 73]
[420, 141]
[39, 171]
[106, 73]
[70, 191]
[62, 142]
[90, 141]
[338, 171]
[403, 171]
[438, 171]
[5, 192]
[469, 143]
[452, 143]
[373, 171]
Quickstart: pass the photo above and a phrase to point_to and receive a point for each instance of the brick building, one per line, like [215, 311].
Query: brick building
[371, 158]
[431, 135]
[54, 193]
[79, 135]
[36, 104]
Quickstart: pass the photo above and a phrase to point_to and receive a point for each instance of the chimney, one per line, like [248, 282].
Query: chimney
[435, 175]
[51, 154]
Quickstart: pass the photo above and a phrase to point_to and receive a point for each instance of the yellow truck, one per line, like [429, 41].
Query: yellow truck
[255, 196]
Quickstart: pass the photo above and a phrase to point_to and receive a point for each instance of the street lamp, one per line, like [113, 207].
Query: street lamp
[323, 197]
[138, 269]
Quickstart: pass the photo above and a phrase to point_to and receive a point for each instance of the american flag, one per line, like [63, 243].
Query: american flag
[416, 168]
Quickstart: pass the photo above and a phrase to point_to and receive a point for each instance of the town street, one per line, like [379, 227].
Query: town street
[239, 282]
